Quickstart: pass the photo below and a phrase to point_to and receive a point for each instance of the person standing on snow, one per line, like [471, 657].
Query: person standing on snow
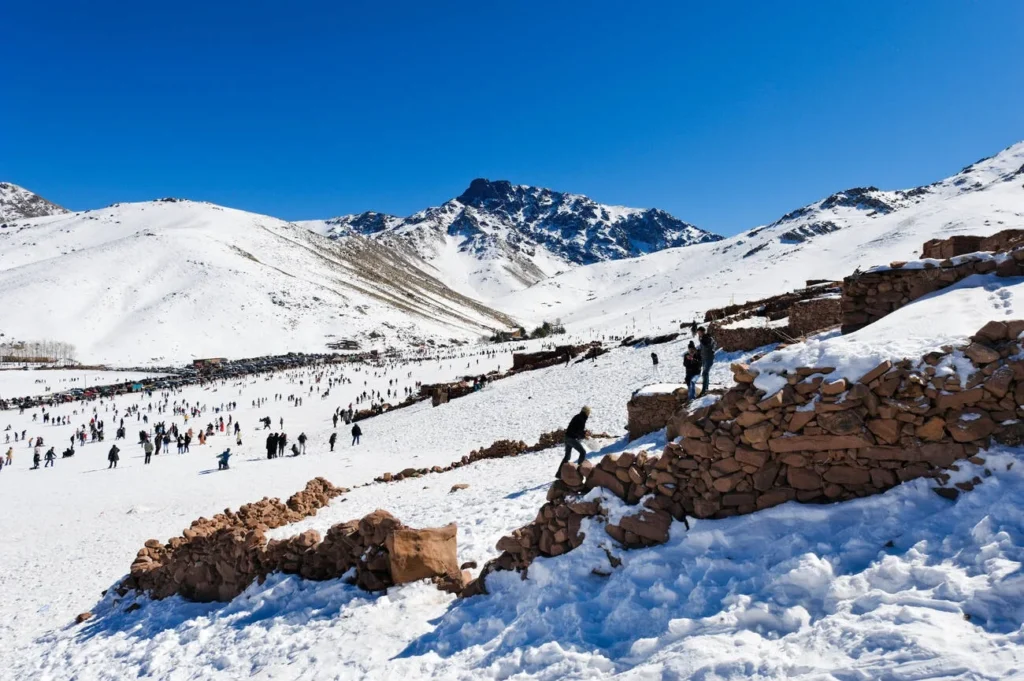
[693, 365]
[356, 434]
[302, 442]
[112, 457]
[51, 457]
[576, 431]
[707, 356]
[332, 440]
[148, 449]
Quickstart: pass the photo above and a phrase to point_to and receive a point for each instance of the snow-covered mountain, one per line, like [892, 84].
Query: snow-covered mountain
[17, 202]
[497, 237]
[827, 239]
[166, 281]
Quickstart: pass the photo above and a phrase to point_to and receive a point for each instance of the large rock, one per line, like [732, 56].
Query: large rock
[419, 554]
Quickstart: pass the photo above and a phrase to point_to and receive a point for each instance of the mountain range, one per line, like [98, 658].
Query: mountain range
[167, 280]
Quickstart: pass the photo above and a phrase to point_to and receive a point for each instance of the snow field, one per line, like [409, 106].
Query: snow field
[94, 520]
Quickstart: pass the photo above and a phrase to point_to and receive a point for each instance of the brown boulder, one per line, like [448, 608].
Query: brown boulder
[847, 475]
[972, 426]
[933, 429]
[836, 387]
[886, 430]
[841, 422]
[803, 478]
[981, 354]
[651, 525]
[81, 617]
[418, 554]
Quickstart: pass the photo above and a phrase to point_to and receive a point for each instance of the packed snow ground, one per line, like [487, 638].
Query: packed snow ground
[94, 520]
[21, 383]
[900, 586]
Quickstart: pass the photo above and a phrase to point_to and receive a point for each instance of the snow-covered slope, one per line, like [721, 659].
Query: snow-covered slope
[18, 202]
[169, 280]
[903, 585]
[824, 240]
[498, 237]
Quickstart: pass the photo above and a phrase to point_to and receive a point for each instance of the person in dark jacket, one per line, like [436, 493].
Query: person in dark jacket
[50, 457]
[272, 445]
[332, 440]
[692, 363]
[707, 356]
[654, 358]
[356, 434]
[576, 431]
[222, 460]
[302, 442]
[113, 457]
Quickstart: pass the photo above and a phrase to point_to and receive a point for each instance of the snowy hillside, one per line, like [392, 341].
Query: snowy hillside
[824, 240]
[900, 585]
[18, 202]
[167, 281]
[497, 237]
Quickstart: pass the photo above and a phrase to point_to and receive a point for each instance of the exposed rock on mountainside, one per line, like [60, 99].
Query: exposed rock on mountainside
[18, 202]
[525, 233]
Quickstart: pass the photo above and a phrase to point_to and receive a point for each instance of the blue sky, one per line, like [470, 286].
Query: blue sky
[725, 114]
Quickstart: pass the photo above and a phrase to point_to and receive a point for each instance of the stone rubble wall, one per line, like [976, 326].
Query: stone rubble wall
[870, 296]
[814, 315]
[499, 449]
[941, 249]
[818, 440]
[216, 559]
[648, 413]
[745, 338]
[773, 307]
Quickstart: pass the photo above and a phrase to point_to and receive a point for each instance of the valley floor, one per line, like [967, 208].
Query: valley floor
[904, 585]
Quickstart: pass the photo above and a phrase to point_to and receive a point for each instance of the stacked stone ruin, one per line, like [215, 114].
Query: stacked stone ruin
[648, 412]
[819, 439]
[806, 311]
[216, 559]
[870, 296]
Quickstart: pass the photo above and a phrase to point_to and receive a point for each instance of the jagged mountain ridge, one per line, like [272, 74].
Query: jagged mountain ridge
[497, 237]
[840, 210]
[17, 202]
[826, 239]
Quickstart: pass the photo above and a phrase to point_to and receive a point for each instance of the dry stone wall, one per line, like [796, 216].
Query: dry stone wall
[650, 412]
[805, 311]
[817, 440]
[871, 295]
[216, 559]
[941, 249]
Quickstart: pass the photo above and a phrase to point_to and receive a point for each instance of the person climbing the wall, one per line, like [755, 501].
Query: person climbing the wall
[576, 431]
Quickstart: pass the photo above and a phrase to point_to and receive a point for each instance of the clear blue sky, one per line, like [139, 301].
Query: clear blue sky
[725, 114]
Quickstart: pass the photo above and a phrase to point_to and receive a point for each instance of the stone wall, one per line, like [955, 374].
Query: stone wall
[871, 295]
[648, 413]
[216, 559]
[744, 338]
[773, 307]
[817, 440]
[814, 315]
[941, 249]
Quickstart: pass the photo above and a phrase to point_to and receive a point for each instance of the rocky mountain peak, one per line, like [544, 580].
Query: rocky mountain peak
[17, 203]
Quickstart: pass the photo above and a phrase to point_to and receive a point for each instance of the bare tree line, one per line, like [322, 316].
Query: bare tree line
[38, 352]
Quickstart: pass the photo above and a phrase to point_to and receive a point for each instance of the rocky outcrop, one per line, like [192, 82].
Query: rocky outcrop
[870, 296]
